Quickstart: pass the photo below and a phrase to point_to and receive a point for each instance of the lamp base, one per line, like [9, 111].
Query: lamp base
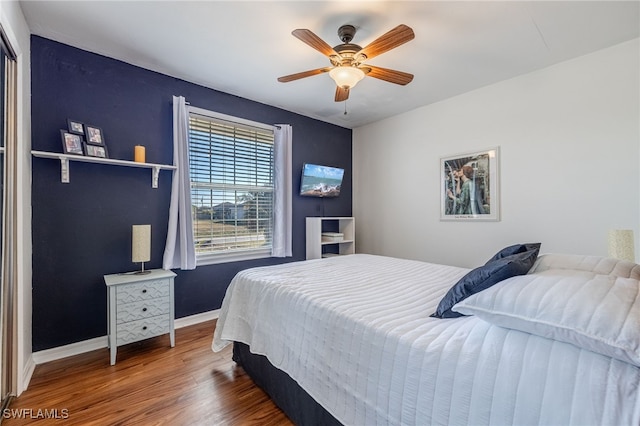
[142, 271]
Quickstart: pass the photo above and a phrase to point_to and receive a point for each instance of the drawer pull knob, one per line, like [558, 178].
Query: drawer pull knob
[144, 328]
[144, 309]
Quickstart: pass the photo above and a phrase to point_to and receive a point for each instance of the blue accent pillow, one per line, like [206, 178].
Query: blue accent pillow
[507, 263]
[514, 249]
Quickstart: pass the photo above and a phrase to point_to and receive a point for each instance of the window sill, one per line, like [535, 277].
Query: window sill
[213, 259]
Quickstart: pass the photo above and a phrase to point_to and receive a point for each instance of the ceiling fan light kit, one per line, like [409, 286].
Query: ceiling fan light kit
[347, 59]
[346, 77]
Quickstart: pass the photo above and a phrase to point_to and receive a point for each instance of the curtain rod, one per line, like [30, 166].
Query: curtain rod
[231, 121]
[185, 100]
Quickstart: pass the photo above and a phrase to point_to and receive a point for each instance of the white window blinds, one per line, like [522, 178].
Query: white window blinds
[232, 184]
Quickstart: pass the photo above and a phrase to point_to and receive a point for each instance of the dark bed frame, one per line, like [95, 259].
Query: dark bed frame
[283, 390]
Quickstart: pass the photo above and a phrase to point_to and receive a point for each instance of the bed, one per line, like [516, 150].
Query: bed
[353, 339]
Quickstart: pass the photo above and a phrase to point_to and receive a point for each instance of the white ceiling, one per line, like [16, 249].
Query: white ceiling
[242, 47]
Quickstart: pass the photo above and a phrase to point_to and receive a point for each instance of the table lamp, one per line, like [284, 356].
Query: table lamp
[621, 244]
[141, 245]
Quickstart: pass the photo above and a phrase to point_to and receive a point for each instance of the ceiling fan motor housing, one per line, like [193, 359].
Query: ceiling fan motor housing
[346, 33]
[347, 51]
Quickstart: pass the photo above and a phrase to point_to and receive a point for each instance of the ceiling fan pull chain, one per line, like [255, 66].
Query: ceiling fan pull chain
[345, 107]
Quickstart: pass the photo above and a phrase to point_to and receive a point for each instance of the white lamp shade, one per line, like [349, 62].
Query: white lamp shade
[140, 243]
[346, 76]
[621, 244]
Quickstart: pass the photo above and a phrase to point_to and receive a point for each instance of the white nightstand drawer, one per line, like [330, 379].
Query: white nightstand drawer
[127, 312]
[142, 329]
[127, 293]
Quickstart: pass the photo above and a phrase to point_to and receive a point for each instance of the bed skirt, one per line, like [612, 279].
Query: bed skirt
[283, 390]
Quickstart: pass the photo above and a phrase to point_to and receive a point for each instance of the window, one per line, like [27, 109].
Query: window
[232, 183]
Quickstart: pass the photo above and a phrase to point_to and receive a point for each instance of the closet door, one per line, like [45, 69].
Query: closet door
[8, 142]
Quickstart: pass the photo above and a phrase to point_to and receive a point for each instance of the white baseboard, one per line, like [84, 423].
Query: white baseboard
[29, 368]
[77, 348]
[72, 349]
[196, 319]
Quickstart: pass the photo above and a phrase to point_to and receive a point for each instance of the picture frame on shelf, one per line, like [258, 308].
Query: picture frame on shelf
[75, 127]
[71, 143]
[99, 151]
[94, 135]
[469, 186]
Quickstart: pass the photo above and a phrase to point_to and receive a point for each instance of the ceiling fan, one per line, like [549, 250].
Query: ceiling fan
[347, 67]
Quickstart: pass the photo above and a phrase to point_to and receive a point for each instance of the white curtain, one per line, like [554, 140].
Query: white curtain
[179, 251]
[281, 245]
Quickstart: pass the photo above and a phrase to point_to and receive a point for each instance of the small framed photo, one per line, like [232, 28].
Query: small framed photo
[71, 143]
[469, 186]
[96, 150]
[94, 134]
[75, 127]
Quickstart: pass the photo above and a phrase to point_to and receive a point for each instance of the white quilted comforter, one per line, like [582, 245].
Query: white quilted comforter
[355, 333]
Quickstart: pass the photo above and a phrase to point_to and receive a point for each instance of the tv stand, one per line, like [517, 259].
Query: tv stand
[317, 247]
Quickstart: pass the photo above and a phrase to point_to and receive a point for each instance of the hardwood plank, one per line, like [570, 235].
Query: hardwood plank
[151, 384]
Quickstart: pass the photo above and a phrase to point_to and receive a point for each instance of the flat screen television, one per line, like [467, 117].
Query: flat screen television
[321, 181]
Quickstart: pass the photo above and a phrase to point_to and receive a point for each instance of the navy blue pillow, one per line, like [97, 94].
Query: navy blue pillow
[514, 249]
[495, 270]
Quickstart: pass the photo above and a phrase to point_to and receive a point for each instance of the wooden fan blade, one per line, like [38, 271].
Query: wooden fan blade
[392, 39]
[303, 74]
[342, 94]
[314, 41]
[392, 76]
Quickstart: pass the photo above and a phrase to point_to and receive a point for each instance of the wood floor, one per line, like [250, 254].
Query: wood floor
[151, 384]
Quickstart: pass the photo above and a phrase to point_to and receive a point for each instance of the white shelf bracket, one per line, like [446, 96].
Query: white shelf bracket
[64, 170]
[154, 177]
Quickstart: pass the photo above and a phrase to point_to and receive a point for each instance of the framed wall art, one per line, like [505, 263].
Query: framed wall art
[94, 134]
[75, 127]
[469, 186]
[96, 150]
[71, 143]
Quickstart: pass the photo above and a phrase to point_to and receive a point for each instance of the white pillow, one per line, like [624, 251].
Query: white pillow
[597, 312]
[578, 262]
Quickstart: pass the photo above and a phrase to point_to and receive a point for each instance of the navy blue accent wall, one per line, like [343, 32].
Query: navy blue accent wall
[81, 230]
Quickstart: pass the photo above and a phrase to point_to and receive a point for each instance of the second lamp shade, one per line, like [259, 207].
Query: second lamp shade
[621, 244]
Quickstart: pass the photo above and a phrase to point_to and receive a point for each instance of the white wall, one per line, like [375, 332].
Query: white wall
[16, 28]
[569, 138]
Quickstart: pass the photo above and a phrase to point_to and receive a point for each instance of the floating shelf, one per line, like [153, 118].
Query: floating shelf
[65, 158]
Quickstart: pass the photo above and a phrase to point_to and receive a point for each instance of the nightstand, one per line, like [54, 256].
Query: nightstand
[139, 306]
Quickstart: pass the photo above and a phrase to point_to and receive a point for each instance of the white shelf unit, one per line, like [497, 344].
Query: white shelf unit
[65, 158]
[316, 248]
